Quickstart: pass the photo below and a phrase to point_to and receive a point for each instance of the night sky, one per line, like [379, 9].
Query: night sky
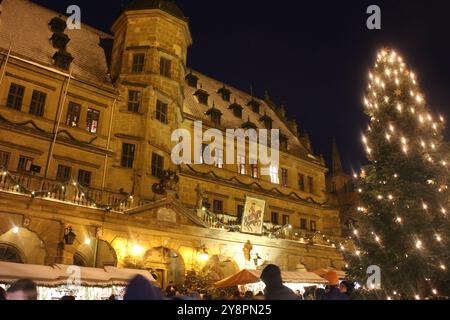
[314, 56]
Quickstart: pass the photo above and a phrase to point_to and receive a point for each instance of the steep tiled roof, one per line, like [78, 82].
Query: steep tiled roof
[24, 24]
[198, 111]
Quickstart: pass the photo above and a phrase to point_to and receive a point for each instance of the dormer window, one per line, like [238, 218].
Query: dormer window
[225, 94]
[249, 125]
[202, 96]
[215, 114]
[60, 40]
[283, 142]
[63, 59]
[57, 25]
[268, 122]
[237, 109]
[254, 105]
[192, 80]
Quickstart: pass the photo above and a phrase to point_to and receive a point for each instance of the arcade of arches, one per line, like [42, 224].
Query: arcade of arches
[169, 248]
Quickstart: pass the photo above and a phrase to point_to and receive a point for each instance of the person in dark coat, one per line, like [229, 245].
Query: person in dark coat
[333, 292]
[23, 289]
[140, 288]
[275, 290]
[2, 294]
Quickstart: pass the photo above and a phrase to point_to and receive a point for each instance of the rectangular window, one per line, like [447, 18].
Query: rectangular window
[93, 117]
[63, 173]
[161, 111]
[165, 66]
[313, 226]
[284, 177]
[254, 171]
[216, 118]
[4, 159]
[310, 185]
[138, 63]
[157, 165]
[274, 175]
[128, 151]
[285, 219]
[240, 211]
[218, 206]
[241, 165]
[303, 224]
[15, 96]
[274, 217]
[24, 164]
[84, 178]
[134, 100]
[301, 182]
[37, 104]
[218, 158]
[73, 114]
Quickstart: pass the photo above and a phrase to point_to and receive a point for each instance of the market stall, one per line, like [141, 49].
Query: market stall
[59, 280]
[249, 280]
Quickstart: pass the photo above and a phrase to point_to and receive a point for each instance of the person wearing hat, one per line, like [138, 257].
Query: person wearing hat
[275, 290]
[333, 292]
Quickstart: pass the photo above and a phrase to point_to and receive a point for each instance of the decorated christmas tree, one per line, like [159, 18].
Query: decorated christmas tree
[403, 222]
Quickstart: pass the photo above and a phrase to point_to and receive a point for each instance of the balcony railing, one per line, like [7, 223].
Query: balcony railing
[68, 191]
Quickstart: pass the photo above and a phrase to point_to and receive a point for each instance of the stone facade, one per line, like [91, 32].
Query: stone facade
[94, 172]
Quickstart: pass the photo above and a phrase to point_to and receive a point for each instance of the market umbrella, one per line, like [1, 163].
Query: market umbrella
[241, 278]
[323, 271]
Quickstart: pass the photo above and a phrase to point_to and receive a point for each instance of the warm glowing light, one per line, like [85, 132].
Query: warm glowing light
[443, 267]
[419, 244]
[399, 220]
[355, 232]
[203, 256]
[358, 253]
[417, 297]
[87, 242]
[380, 197]
[399, 107]
[15, 230]
[137, 250]
[435, 292]
[438, 238]
[425, 206]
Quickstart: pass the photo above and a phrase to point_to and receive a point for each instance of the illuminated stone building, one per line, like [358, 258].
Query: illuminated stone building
[86, 120]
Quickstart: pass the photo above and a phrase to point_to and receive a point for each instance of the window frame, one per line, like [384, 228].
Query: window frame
[138, 66]
[157, 165]
[84, 178]
[165, 67]
[135, 104]
[275, 218]
[37, 103]
[303, 224]
[92, 120]
[23, 163]
[63, 173]
[313, 225]
[220, 205]
[284, 177]
[162, 115]
[274, 174]
[310, 181]
[16, 93]
[5, 158]
[73, 109]
[301, 182]
[286, 219]
[128, 155]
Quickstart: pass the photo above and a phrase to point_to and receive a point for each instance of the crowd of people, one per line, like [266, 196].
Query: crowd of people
[140, 288]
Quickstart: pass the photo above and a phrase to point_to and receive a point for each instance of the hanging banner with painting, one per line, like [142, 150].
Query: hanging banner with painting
[253, 216]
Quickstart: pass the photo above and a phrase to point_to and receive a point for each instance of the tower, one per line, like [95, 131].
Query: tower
[148, 66]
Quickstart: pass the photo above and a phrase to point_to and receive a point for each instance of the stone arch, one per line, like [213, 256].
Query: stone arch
[166, 264]
[9, 253]
[220, 267]
[96, 254]
[26, 243]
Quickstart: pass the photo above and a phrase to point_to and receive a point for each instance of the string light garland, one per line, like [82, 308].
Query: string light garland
[403, 192]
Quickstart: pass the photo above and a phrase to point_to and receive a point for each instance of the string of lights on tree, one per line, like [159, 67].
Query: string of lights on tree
[61, 187]
[402, 213]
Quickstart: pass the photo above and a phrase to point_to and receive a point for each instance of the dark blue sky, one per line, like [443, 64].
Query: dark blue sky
[312, 55]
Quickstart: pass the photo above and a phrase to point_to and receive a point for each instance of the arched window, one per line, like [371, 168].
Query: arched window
[9, 253]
